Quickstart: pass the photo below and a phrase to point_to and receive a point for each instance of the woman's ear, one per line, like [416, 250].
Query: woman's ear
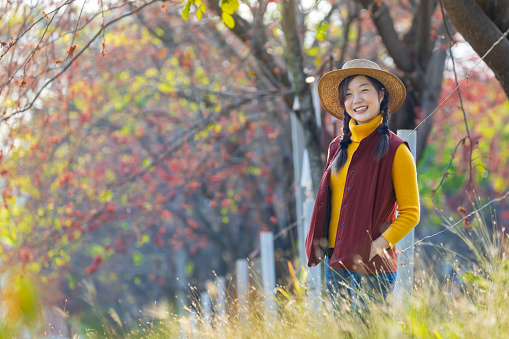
[381, 95]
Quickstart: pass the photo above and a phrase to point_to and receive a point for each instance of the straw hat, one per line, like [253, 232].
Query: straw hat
[329, 84]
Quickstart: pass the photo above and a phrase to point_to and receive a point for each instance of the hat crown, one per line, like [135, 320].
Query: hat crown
[361, 63]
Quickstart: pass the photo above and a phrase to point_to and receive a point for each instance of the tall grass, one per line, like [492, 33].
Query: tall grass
[472, 302]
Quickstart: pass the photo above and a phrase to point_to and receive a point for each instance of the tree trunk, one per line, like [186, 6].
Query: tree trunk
[481, 32]
[306, 114]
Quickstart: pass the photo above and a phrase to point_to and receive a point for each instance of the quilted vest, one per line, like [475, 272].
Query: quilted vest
[368, 209]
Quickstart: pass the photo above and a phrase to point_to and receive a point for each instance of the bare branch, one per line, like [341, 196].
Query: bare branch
[26, 108]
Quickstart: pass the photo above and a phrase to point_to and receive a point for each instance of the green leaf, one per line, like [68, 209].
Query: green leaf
[470, 276]
[71, 281]
[189, 268]
[143, 240]
[321, 32]
[137, 258]
[228, 20]
[283, 292]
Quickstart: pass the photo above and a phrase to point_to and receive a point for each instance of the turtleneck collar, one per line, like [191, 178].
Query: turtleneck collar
[359, 132]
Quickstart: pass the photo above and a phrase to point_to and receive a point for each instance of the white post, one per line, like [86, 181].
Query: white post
[268, 273]
[221, 297]
[242, 288]
[316, 103]
[182, 301]
[405, 279]
[206, 310]
[193, 326]
[297, 152]
[314, 277]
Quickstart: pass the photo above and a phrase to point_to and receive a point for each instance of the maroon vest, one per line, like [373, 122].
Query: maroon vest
[368, 209]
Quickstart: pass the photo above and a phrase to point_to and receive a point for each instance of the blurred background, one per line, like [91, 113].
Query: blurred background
[146, 144]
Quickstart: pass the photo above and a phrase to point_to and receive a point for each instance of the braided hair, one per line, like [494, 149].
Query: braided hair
[383, 143]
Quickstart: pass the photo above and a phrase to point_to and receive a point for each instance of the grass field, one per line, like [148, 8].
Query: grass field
[471, 303]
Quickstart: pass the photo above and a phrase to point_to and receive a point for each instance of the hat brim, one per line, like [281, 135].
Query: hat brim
[329, 84]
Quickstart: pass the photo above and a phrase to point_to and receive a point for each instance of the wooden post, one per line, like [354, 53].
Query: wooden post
[405, 279]
[268, 273]
[242, 288]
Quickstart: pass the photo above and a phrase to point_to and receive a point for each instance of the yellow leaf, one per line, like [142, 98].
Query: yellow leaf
[185, 11]
[229, 6]
[228, 20]
[199, 12]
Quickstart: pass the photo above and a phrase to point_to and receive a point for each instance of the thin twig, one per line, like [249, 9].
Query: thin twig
[453, 153]
[459, 93]
[35, 23]
[78, 22]
[450, 227]
[37, 46]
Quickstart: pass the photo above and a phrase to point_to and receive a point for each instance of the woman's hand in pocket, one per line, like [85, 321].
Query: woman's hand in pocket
[378, 246]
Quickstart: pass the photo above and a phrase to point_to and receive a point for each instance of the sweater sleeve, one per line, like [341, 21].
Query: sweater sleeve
[404, 178]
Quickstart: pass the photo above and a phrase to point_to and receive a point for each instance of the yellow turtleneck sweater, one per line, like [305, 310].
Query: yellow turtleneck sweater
[404, 178]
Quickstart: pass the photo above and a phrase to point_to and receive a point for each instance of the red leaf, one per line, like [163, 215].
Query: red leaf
[159, 242]
[215, 178]
[191, 223]
[226, 203]
[194, 184]
[85, 117]
[37, 176]
[166, 214]
[91, 269]
[111, 207]
[98, 259]
[26, 254]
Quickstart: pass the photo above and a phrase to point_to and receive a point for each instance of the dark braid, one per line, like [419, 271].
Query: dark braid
[383, 143]
[342, 156]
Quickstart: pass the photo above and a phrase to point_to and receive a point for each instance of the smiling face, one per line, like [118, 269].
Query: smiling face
[362, 100]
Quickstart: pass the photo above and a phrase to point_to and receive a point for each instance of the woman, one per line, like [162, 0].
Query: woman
[370, 173]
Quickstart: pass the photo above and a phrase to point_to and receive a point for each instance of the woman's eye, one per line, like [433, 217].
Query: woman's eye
[364, 90]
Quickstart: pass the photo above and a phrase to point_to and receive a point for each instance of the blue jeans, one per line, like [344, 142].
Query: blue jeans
[349, 288]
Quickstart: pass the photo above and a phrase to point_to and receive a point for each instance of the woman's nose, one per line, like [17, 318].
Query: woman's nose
[356, 98]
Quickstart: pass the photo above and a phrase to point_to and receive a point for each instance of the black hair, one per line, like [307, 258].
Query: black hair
[383, 143]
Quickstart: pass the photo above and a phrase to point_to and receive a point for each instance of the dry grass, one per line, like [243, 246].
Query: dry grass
[473, 304]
